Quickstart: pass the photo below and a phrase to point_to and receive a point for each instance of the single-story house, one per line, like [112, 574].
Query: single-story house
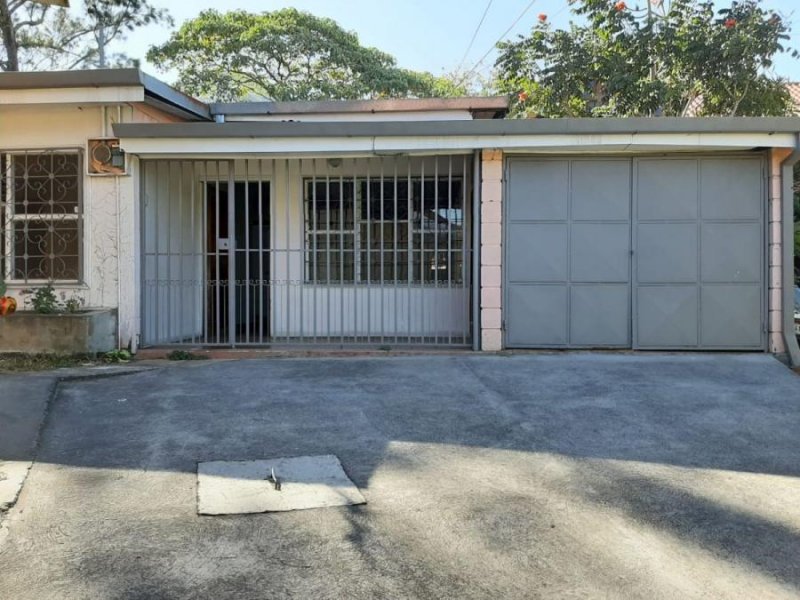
[431, 222]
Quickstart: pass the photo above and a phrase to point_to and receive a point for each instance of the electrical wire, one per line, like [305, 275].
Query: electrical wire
[474, 35]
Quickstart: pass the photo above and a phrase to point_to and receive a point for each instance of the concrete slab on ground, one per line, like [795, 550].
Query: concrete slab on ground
[246, 487]
[651, 476]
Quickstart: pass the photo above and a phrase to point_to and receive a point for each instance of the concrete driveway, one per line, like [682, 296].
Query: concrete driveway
[552, 476]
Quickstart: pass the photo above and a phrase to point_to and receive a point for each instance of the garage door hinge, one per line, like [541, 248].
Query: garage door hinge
[503, 325]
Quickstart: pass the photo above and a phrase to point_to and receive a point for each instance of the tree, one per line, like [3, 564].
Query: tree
[283, 55]
[37, 36]
[665, 59]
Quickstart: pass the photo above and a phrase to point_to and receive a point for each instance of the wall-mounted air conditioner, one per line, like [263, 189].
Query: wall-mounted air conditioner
[105, 157]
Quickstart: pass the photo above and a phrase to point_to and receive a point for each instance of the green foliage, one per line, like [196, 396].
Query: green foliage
[73, 304]
[624, 62]
[185, 355]
[2, 287]
[117, 356]
[283, 55]
[44, 300]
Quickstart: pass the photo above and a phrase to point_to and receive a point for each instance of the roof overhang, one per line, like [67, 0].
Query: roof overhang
[540, 135]
[100, 86]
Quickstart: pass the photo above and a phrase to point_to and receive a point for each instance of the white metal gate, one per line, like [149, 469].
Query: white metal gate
[371, 251]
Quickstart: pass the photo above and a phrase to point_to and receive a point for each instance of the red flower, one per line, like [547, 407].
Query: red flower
[542, 17]
[620, 6]
[523, 96]
[730, 23]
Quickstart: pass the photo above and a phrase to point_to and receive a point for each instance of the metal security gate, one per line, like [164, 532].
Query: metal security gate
[255, 252]
[656, 253]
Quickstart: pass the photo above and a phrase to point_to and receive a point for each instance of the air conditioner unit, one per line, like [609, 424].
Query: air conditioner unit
[105, 157]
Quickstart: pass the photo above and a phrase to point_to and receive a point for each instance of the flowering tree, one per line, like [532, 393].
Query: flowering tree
[663, 59]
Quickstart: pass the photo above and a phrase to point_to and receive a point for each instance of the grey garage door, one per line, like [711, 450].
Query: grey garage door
[645, 253]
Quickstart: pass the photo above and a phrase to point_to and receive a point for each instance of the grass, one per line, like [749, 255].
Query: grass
[17, 363]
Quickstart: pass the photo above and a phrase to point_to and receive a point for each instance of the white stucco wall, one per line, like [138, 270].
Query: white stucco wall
[110, 204]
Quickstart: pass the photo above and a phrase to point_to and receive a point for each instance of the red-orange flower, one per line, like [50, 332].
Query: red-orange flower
[523, 96]
[542, 17]
[730, 23]
[620, 6]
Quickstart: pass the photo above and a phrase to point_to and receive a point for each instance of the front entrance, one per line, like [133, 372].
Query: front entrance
[327, 251]
[655, 253]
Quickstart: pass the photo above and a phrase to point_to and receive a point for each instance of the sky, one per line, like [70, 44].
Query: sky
[427, 35]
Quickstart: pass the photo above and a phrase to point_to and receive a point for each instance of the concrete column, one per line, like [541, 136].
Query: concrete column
[774, 231]
[491, 250]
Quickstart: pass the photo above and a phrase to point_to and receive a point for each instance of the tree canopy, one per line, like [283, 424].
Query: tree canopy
[668, 58]
[37, 36]
[283, 55]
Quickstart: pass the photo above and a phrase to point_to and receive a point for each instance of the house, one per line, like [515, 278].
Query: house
[394, 223]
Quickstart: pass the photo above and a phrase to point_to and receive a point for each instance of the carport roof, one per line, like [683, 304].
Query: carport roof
[490, 127]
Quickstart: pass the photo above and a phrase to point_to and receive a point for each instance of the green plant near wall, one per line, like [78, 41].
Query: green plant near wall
[44, 300]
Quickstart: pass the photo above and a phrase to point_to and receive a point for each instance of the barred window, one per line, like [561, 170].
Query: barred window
[384, 230]
[40, 214]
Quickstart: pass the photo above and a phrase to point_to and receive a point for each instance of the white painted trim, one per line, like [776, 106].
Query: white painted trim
[289, 146]
[79, 95]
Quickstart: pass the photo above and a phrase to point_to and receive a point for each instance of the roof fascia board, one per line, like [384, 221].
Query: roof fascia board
[73, 95]
[395, 145]
[493, 127]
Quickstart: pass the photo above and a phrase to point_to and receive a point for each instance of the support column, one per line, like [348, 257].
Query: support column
[775, 273]
[491, 250]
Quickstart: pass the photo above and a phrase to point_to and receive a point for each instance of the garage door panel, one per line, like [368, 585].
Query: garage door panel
[539, 317]
[666, 252]
[728, 312]
[730, 252]
[667, 316]
[542, 252]
[666, 189]
[600, 252]
[731, 188]
[601, 190]
[600, 315]
[539, 190]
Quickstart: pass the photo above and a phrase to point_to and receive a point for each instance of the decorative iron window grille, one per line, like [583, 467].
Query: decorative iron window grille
[40, 216]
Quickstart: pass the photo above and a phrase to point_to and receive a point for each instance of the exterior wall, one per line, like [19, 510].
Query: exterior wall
[491, 250]
[774, 220]
[110, 204]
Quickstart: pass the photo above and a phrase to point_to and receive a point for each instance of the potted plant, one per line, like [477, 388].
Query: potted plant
[7, 304]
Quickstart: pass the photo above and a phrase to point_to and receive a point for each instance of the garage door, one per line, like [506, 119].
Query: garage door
[568, 253]
[646, 253]
[699, 253]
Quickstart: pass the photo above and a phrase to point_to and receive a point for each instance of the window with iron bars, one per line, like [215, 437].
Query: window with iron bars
[40, 216]
[385, 230]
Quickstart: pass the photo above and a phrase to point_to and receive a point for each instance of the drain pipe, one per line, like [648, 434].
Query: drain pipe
[476, 251]
[787, 203]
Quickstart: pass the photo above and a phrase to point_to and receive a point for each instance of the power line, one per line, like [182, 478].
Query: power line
[474, 35]
[500, 39]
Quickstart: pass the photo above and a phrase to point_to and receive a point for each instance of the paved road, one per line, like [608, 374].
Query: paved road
[567, 475]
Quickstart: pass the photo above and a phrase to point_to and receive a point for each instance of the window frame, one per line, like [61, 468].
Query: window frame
[9, 217]
[363, 201]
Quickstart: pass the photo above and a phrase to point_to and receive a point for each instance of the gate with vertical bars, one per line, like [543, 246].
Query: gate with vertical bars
[342, 251]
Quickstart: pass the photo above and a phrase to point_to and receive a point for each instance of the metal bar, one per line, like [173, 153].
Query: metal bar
[231, 255]
[156, 254]
[192, 249]
[409, 237]
[394, 256]
[463, 224]
[436, 251]
[273, 253]
[314, 278]
[356, 241]
[341, 258]
[449, 237]
[369, 250]
[143, 304]
[204, 255]
[286, 201]
[383, 243]
[328, 250]
[302, 251]
[217, 277]
[423, 317]
[475, 242]
[247, 279]
[181, 313]
[260, 254]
